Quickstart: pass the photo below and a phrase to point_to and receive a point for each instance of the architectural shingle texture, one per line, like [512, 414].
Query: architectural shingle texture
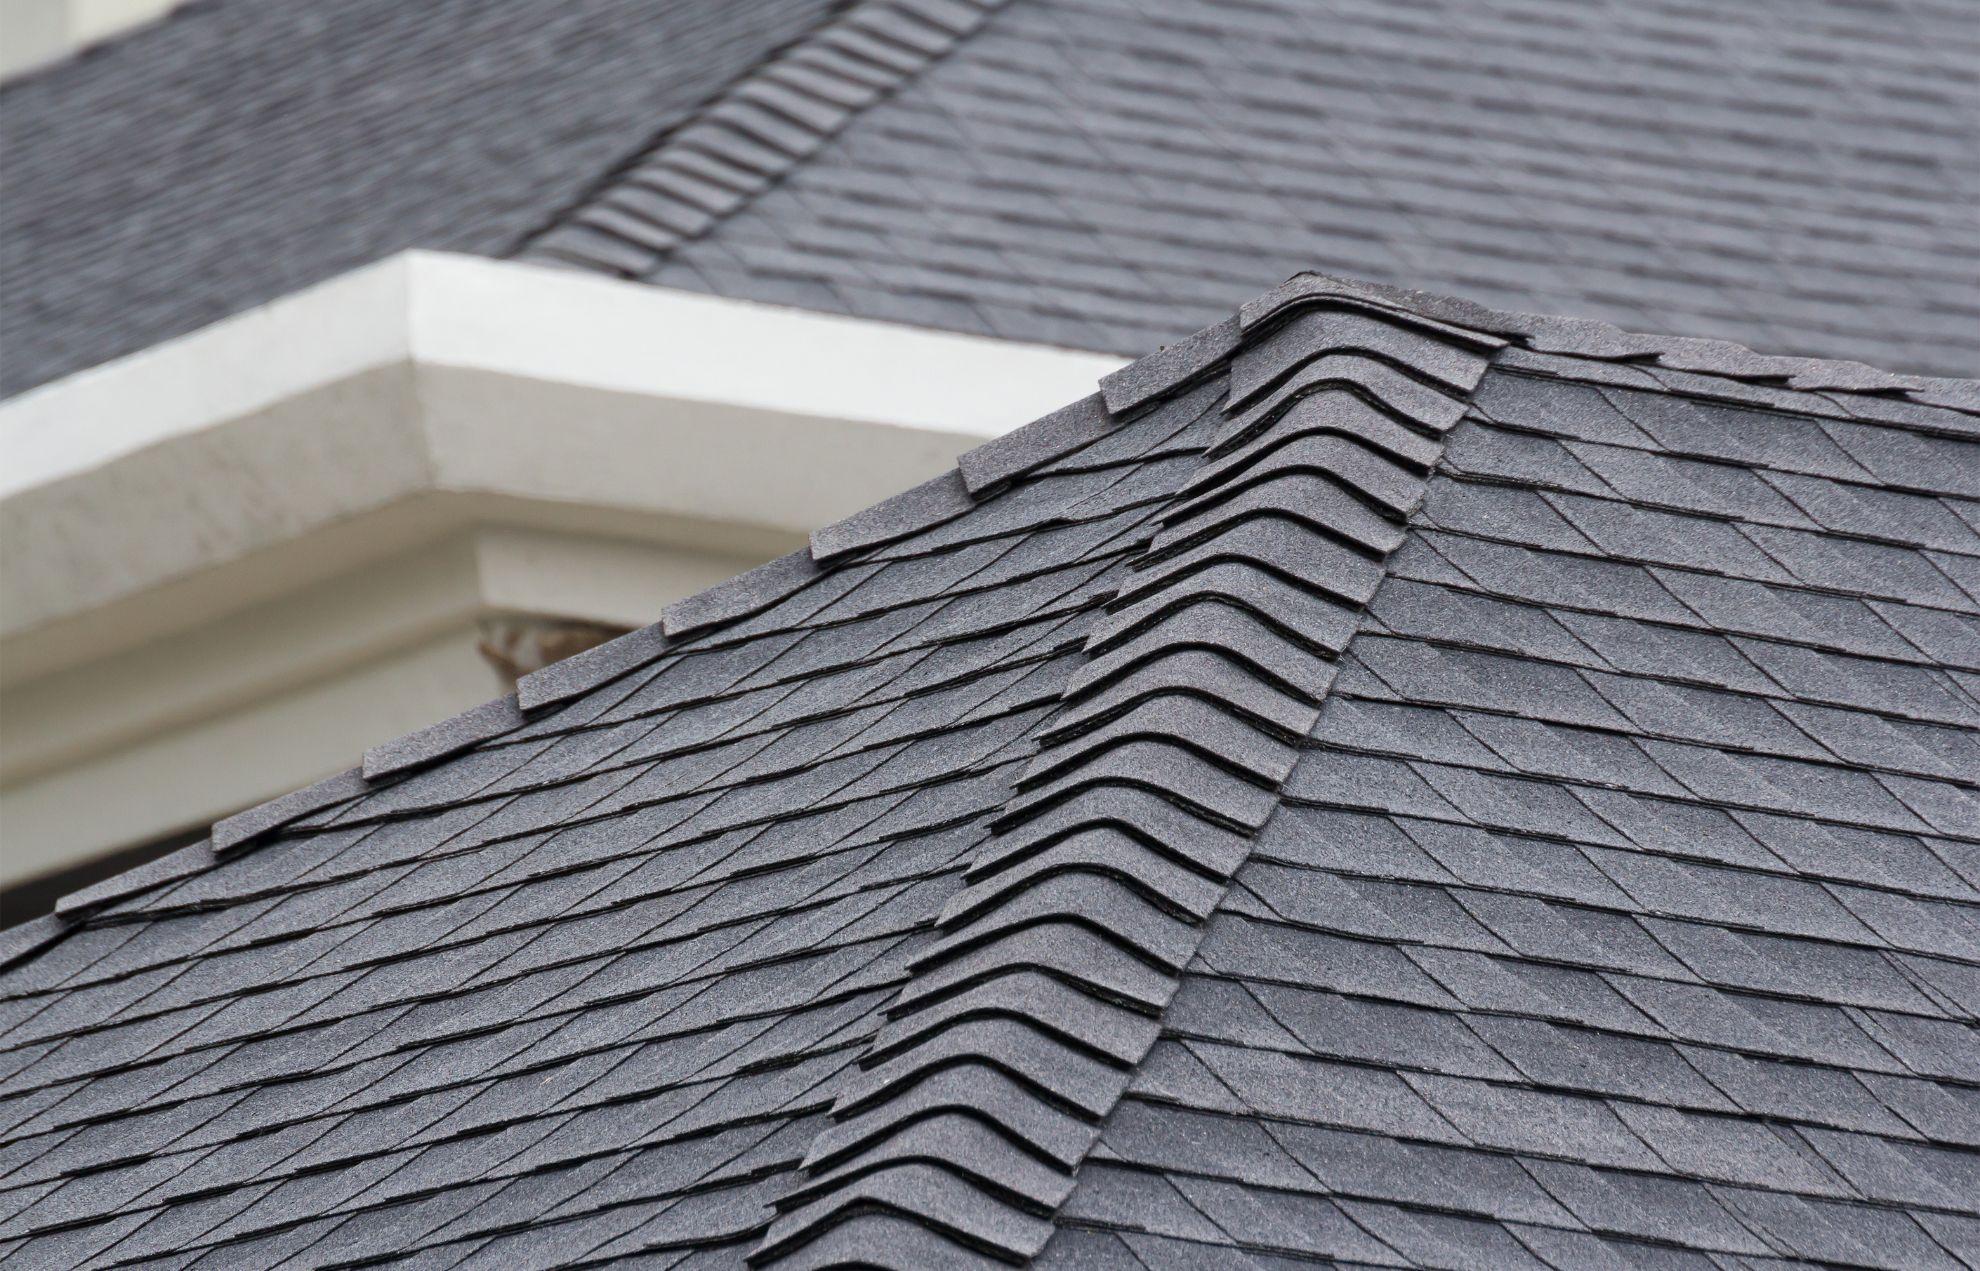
[241, 149]
[1383, 781]
[1802, 176]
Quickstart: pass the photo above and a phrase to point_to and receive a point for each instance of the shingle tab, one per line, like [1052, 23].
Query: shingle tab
[931, 503]
[1035, 444]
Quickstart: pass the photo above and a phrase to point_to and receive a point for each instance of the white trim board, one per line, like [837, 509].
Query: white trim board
[224, 525]
[541, 323]
[433, 387]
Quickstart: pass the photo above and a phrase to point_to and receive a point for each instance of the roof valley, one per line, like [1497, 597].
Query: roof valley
[1023, 1023]
[753, 134]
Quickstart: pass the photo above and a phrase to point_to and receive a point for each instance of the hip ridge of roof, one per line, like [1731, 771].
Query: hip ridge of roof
[1025, 1020]
[753, 134]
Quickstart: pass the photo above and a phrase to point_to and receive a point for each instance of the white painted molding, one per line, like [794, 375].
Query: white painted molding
[431, 391]
[34, 33]
[536, 322]
[205, 539]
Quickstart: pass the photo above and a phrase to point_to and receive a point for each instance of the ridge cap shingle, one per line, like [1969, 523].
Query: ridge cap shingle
[1604, 341]
[1078, 886]
[1141, 800]
[754, 133]
[980, 472]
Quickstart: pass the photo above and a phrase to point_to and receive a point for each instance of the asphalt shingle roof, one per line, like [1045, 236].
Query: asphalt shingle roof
[1801, 176]
[241, 149]
[1382, 781]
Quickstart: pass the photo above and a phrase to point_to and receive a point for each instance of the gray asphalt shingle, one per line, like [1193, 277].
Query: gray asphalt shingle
[1097, 861]
[233, 153]
[1111, 176]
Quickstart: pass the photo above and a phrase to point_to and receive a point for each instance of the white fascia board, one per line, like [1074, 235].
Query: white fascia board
[236, 367]
[580, 329]
[541, 323]
[429, 392]
[247, 554]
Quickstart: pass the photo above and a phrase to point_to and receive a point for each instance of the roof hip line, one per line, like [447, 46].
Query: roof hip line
[752, 135]
[1024, 1022]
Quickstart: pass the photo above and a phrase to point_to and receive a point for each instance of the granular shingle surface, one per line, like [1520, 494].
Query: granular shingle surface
[1585, 937]
[1383, 794]
[241, 149]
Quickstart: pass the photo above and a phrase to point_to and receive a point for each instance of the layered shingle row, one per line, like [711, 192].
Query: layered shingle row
[1790, 174]
[1354, 321]
[1620, 909]
[587, 984]
[1793, 174]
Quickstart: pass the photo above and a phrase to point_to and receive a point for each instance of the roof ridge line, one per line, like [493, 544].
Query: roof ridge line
[1605, 342]
[981, 471]
[977, 474]
[1017, 1030]
[753, 134]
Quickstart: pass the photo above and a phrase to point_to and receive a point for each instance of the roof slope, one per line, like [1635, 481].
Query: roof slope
[1800, 177]
[237, 151]
[1384, 781]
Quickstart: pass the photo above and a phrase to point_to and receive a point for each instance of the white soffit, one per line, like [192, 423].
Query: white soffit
[557, 326]
[431, 392]
[231, 562]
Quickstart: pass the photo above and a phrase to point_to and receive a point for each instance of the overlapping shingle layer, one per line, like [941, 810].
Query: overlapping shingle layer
[1026, 1018]
[1797, 175]
[1323, 796]
[590, 985]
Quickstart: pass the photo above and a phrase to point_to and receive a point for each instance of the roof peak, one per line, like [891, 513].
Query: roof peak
[1603, 341]
[1216, 524]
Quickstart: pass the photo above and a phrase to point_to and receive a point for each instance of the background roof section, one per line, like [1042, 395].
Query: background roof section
[1799, 177]
[235, 152]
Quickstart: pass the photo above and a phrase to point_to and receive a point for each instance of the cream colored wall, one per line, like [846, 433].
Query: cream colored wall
[191, 727]
[35, 32]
